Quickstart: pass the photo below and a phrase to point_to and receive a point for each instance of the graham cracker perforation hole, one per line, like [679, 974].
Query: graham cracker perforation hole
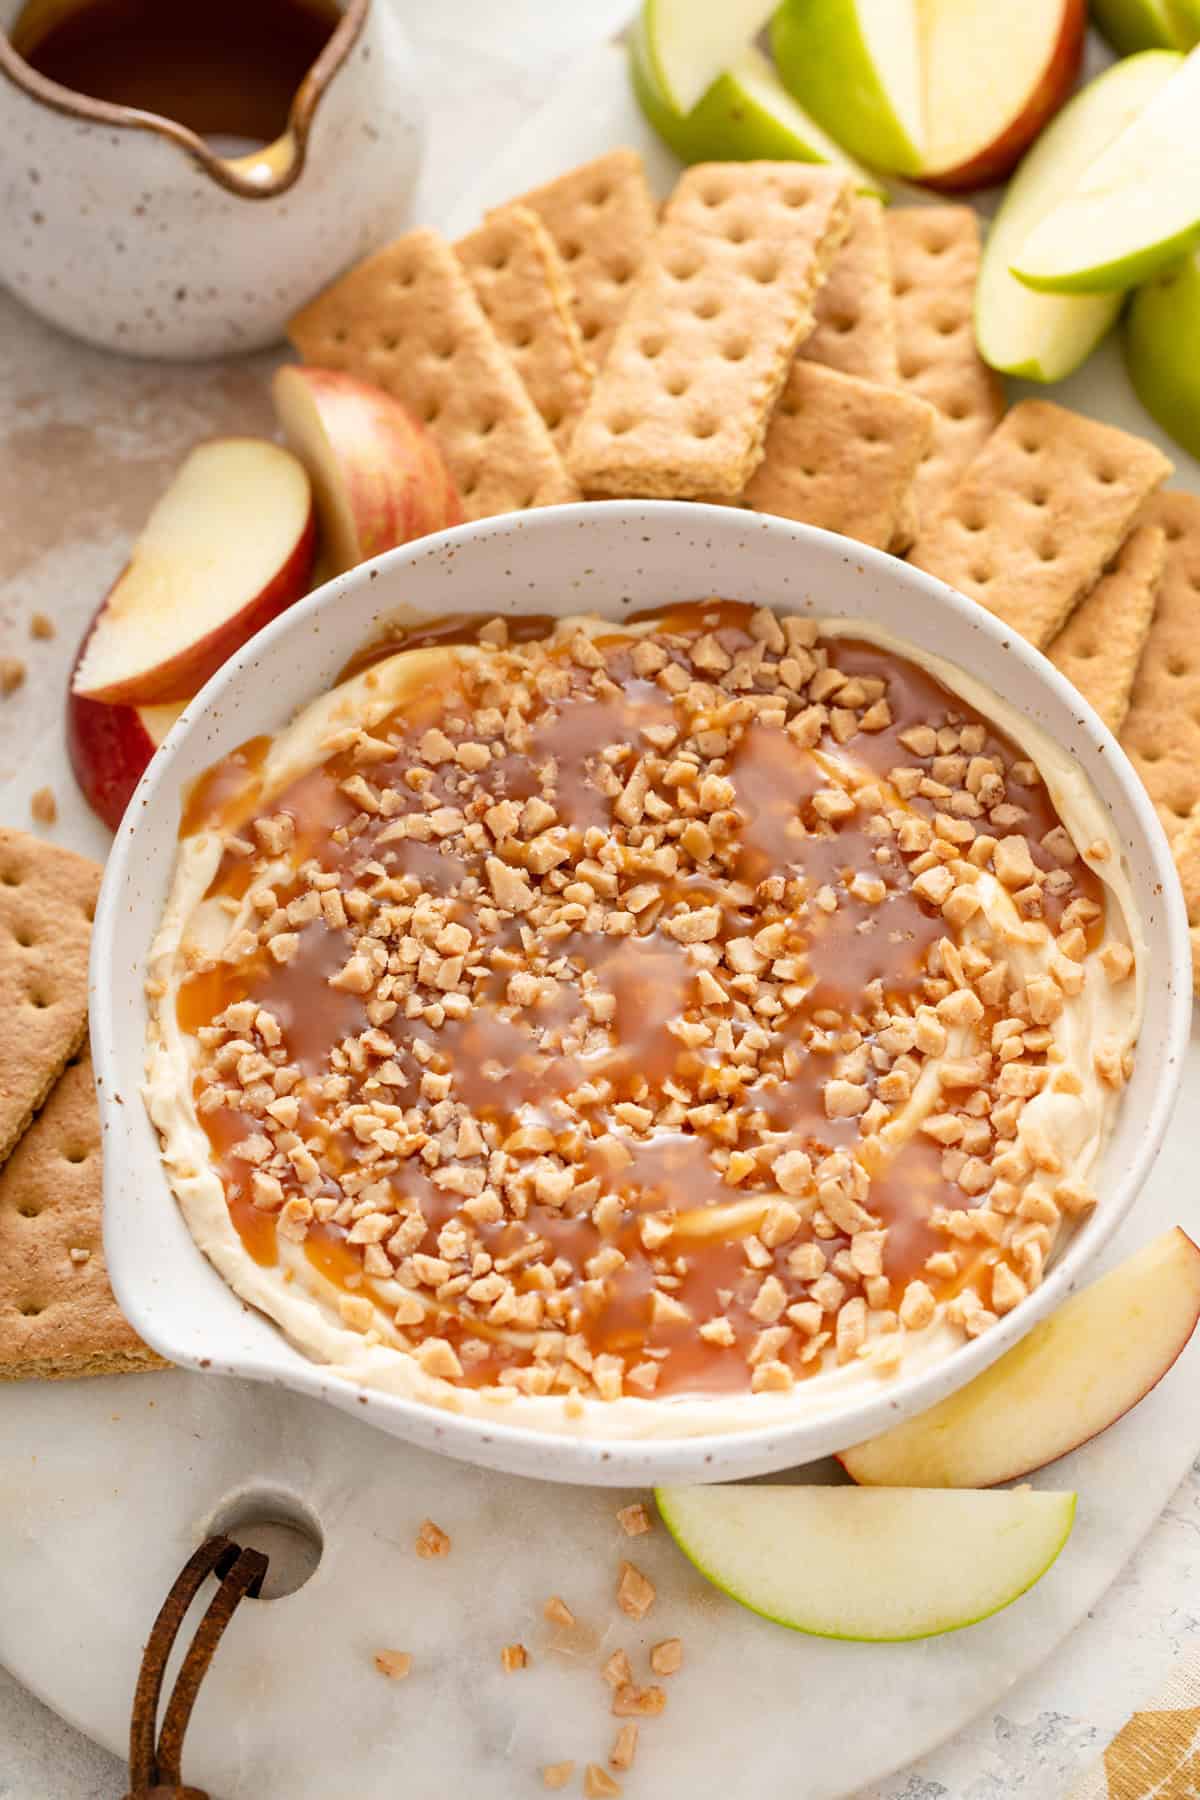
[1178, 666]
[39, 998]
[30, 1309]
[570, 251]
[24, 937]
[26, 1211]
[10, 877]
[845, 323]
[599, 196]
[765, 270]
[76, 1153]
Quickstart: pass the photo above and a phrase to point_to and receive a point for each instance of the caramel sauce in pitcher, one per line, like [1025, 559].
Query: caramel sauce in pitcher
[226, 69]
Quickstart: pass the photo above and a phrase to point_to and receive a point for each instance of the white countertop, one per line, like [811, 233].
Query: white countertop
[489, 68]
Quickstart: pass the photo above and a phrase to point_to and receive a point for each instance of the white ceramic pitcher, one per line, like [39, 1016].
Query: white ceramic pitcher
[130, 231]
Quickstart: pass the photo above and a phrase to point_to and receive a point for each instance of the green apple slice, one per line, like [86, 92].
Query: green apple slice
[747, 114]
[854, 65]
[1184, 17]
[1161, 338]
[1135, 210]
[688, 43]
[880, 1565]
[1132, 25]
[1044, 336]
[1071, 1378]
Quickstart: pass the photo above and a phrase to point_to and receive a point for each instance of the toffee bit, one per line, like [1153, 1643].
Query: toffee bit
[624, 1747]
[514, 1657]
[395, 1664]
[598, 1784]
[12, 674]
[635, 1592]
[634, 1520]
[557, 1775]
[432, 1540]
[44, 806]
[557, 1612]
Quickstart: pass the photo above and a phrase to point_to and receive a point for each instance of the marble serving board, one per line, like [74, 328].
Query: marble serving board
[106, 1486]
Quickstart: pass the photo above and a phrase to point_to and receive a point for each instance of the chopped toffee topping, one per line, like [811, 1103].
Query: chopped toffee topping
[648, 1010]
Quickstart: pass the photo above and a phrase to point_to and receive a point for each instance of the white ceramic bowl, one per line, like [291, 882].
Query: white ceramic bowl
[612, 558]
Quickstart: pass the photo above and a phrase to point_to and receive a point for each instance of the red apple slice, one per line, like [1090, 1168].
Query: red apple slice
[109, 746]
[378, 476]
[230, 544]
[1070, 1379]
[994, 74]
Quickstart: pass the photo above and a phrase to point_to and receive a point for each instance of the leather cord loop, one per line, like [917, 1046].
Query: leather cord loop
[155, 1769]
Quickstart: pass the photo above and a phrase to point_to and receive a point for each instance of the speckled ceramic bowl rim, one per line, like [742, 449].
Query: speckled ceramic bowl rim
[167, 1288]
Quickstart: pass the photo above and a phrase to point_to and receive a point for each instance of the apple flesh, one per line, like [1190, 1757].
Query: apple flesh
[1043, 337]
[879, 1565]
[994, 74]
[854, 66]
[1068, 1380]
[687, 44]
[1132, 211]
[378, 476]
[1161, 340]
[1133, 25]
[229, 545]
[747, 115]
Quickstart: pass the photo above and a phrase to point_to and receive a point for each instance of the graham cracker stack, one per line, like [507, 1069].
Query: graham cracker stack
[855, 329]
[1100, 646]
[58, 1317]
[935, 252]
[47, 897]
[718, 310]
[522, 285]
[601, 217]
[1161, 733]
[1038, 514]
[840, 453]
[408, 320]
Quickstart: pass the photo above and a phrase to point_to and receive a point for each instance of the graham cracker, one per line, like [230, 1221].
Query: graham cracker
[47, 898]
[841, 453]
[1186, 850]
[58, 1316]
[1100, 645]
[1038, 514]
[522, 285]
[935, 253]
[718, 310]
[408, 320]
[1161, 733]
[601, 217]
[855, 330]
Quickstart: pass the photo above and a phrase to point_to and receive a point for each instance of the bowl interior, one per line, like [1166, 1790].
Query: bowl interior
[614, 559]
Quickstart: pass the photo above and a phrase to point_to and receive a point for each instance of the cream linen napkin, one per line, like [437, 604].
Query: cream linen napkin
[1156, 1754]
